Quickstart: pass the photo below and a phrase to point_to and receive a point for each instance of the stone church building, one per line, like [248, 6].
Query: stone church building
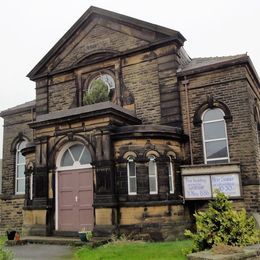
[165, 134]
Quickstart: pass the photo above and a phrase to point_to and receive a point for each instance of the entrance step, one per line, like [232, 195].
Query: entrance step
[54, 240]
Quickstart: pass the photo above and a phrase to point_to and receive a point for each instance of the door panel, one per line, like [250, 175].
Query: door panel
[75, 199]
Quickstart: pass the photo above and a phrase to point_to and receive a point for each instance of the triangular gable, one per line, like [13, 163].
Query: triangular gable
[94, 19]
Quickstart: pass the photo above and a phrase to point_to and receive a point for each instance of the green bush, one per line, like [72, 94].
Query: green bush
[4, 253]
[220, 224]
[97, 93]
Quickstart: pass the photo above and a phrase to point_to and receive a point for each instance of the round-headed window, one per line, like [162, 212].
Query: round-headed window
[100, 89]
[75, 156]
[105, 78]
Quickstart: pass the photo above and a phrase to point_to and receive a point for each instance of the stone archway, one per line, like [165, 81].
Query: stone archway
[74, 189]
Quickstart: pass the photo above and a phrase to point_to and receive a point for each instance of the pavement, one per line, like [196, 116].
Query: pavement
[41, 252]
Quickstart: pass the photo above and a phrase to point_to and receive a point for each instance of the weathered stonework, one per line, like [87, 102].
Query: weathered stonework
[155, 108]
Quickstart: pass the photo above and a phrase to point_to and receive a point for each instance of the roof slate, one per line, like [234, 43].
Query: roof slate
[19, 108]
[209, 61]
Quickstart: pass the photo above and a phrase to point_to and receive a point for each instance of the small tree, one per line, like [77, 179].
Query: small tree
[97, 93]
[220, 224]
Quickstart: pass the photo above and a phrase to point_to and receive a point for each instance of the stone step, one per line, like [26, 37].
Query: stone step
[54, 240]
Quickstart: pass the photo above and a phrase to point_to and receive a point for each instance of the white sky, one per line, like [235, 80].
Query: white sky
[29, 28]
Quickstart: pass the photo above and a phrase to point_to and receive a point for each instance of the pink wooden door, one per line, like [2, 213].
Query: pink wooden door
[75, 200]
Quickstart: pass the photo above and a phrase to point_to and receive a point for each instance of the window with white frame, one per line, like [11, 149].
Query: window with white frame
[171, 175]
[131, 176]
[152, 169]
[31, 186]
[20, 168]
[76, 155]
[214, 132]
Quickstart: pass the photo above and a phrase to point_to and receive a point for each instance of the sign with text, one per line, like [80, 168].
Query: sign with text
[197, 186]
[226, 183]
[204, 186]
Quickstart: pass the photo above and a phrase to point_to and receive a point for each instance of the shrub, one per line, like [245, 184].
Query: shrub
[220, 224]
[97, 93]
[4, 253]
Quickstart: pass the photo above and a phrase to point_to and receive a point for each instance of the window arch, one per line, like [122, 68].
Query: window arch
[131, 176]
[74, 156]
[152, 170]
[20, 168]
[214, 133]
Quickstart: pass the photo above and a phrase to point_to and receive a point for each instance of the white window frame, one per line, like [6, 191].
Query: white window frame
[129, 177]
[16, 168]
[206, 160]
[31, 186]
[152, 159]
[171, 176]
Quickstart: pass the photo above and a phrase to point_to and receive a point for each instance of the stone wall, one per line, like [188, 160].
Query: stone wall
[11, 205]
[11, 214]
[230, 86]
[15, 127]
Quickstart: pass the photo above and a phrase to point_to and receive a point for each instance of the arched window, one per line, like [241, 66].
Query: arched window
[131, 176]
[76, 155]
[214, 133]
[171, 175]
[19, 169]
[152, 169]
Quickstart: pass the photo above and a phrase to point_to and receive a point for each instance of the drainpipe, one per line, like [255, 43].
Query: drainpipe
[185, 83]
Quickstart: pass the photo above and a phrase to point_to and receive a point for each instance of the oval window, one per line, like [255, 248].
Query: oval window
[105, 78]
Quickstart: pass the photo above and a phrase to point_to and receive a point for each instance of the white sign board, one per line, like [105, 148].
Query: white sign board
[197, 186]
[226, 183]
[204, 186]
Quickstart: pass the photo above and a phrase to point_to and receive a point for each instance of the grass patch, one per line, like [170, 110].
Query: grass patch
[137, 250]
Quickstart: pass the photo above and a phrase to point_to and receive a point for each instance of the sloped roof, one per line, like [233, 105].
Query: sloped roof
[209, 61]
[198, 65]
[95, 11]
[17, 109]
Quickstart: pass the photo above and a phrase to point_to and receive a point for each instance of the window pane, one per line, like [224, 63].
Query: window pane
[214, 130]
[152, 184]
[86, 157]
[20, 185]
[170, 182]
[66, 159]
[21, 145]
[213, 114]
[132, 185]
[108, 80]
[76, 151]
[20, 171]
[171, 178]
[131, 166]
[216, 149]
[152, 169]
[20, 158]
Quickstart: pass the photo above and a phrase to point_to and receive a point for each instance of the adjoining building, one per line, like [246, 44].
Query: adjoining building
[169, 131]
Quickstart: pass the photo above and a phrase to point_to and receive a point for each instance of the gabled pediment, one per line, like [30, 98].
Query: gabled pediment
[100, 34]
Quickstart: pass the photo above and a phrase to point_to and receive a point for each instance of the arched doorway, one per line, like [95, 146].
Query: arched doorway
[74, 189]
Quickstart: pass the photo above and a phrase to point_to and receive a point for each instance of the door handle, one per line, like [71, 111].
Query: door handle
[76, 198]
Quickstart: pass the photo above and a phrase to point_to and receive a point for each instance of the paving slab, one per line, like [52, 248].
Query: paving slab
[41, 252]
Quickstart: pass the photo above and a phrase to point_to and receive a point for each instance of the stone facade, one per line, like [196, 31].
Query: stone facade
[153, 117]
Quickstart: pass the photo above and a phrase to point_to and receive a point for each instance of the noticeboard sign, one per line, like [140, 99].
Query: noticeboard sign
[198, 187]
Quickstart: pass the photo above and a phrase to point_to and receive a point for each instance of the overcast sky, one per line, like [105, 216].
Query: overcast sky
[29, 28]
